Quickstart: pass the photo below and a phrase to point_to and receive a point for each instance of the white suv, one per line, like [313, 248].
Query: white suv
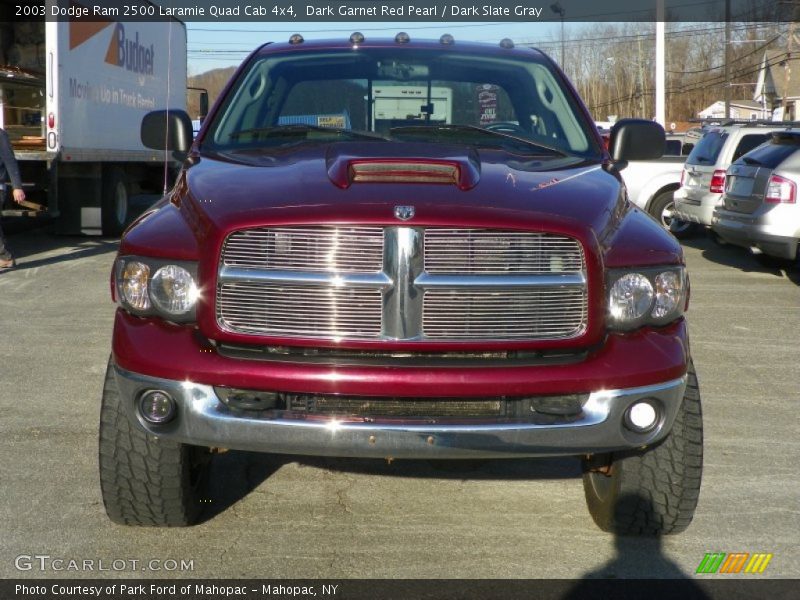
[703, 177]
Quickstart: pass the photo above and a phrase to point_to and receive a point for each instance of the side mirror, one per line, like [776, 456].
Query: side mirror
[172, 128]
[203, 105]
[636, 139]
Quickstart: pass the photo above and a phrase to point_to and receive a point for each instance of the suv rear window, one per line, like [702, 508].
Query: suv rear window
[769, 155]
[748, 142]
[707, 149]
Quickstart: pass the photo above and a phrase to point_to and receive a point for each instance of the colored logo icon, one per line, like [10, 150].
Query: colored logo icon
[735, 562]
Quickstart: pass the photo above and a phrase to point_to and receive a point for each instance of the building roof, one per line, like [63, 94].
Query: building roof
[772, 75]
[720, 104]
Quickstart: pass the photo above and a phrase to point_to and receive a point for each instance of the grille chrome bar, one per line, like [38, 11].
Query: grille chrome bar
[499, 281]
[376, 280]
[405, 283]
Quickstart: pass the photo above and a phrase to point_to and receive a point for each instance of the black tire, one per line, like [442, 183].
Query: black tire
[146, 480]
[661, 209]
[115, 207]
[653, 491]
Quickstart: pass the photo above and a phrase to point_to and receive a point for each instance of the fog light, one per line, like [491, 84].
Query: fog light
[157, 407]
[641, 417]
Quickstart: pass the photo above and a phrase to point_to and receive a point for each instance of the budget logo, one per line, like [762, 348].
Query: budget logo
[735, 562]
[123, 50]
[130, 53]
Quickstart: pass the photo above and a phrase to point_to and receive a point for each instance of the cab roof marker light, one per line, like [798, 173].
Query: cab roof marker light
[356, 37]
[506, 43]
[402, 38]
[447, 39]
[296, 39]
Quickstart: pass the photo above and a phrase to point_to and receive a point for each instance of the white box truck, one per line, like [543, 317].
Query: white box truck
[398, 105]
[72, 97]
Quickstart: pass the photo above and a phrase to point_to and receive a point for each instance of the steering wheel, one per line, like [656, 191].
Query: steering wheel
[506, 127]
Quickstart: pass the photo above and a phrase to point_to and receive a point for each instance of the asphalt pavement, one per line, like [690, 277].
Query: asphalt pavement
[296, 517]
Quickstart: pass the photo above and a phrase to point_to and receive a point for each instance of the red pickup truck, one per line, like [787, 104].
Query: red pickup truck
[401, 249]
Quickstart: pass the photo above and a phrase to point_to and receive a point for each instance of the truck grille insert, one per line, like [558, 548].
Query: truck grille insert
[314, 249]
[472, 251]
[507, 315]
[402, 283]
[300, 311]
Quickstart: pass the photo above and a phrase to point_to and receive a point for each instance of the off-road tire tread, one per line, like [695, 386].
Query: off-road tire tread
[658, 487]
[144, 480]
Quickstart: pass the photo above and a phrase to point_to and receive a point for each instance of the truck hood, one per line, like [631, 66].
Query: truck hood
[218, 194]
[312, 184]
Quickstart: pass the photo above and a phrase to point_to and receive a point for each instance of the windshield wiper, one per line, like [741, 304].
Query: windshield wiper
[301, 129]
[472, 129]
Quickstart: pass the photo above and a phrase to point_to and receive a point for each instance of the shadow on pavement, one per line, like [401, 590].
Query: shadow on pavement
[742, 259]
[637, 558]
[236, 474]
[27, 245]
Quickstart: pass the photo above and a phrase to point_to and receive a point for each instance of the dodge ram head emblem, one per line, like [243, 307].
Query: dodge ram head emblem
[404, 213]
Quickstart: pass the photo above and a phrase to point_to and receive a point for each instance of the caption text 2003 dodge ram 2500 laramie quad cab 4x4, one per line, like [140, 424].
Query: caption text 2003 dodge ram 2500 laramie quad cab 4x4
[390, 248]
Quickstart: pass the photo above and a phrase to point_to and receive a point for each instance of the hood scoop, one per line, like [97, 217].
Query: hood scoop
[404, 163]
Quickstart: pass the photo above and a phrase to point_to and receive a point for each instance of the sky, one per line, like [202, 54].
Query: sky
[219, 45]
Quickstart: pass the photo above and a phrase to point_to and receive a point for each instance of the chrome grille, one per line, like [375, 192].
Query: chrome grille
[475, 251]
[511, 314]
[315, 249]
[267, 309]
[402, 283]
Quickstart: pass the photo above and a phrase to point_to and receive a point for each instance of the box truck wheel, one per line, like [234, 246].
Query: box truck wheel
[652, 491]
[146, 480]
[115, 201]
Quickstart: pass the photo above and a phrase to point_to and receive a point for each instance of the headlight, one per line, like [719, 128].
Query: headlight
[133, 285]
[159, 287]
[669, 293]
[651, 296]
[173, 290]
[631, 297]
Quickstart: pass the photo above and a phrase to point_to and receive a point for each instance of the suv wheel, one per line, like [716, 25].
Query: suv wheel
[146, 480]
[652, 491]
[661, 208]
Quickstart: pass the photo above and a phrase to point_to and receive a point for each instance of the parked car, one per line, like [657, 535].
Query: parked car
[759, 209]
[651, 184]
[404, 279]
[703, 177]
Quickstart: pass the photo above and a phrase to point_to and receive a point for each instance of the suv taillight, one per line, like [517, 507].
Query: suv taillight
[780, 191]
[717, 182]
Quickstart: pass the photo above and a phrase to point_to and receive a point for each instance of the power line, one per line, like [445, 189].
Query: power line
[714, 82]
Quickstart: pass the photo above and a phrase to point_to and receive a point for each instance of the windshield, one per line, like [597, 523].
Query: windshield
[388, 94]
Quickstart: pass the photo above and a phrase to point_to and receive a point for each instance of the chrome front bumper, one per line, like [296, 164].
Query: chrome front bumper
[203, 420]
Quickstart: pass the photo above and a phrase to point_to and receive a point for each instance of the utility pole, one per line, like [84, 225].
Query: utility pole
[559, 10]
[787, 72]
[642, 109]
[727, 59]
[661, 117]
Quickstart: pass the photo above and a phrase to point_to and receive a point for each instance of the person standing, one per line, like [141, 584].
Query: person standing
[9, 166]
